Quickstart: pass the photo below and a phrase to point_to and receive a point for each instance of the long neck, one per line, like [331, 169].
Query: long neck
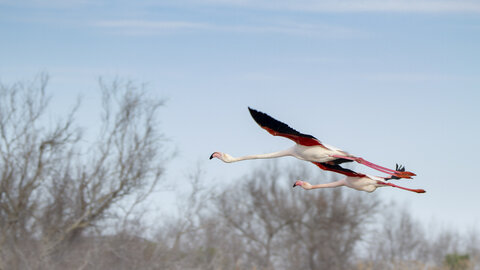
[330, 185]
[283, 153]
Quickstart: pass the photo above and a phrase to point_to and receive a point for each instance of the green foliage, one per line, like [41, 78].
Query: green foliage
[456, 261]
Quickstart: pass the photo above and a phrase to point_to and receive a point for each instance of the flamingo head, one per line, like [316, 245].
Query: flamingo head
[216, 155]
[222, 156]
[298, 183]
[303, 184]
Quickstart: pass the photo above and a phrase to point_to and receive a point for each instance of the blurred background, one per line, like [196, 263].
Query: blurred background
[110, 110]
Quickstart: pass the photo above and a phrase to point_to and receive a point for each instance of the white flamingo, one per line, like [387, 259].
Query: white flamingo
[308, 148]
[361, 182]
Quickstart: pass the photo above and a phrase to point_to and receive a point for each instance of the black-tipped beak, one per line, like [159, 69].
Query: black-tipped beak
[211, 156]
[294, 184]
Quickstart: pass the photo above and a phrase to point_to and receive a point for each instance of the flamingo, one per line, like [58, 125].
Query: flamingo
[307, 148]
[362, 182]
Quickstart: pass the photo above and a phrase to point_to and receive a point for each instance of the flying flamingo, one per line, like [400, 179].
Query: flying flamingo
[307, 148]
[363, 182]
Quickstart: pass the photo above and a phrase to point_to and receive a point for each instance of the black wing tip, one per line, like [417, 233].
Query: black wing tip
[259, 117]
[253, 112]
[266, 121]
[398, 168]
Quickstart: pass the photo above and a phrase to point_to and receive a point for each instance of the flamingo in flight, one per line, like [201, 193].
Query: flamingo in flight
[362, 182]
[308, 148]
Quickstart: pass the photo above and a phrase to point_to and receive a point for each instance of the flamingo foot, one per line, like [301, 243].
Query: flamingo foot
[397, 173]
[404, 188]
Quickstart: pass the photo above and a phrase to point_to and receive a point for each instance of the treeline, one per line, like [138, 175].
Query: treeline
[260, 222]
[68, 205]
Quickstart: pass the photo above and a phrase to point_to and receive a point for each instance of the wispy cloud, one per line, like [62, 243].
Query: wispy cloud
[425, 6]
[144, 27]
[51, 4]
[129, 18]
[412, 77]
[419, 6]
[151, 27]
[297, 28]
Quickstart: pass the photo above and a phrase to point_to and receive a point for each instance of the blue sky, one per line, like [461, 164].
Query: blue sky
[391, 81]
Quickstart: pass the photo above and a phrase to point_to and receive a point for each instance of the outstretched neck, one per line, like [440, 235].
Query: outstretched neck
[329, 185]
[283, 153]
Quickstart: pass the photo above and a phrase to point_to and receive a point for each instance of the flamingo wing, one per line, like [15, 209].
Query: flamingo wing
[277, 128]
[338, 169]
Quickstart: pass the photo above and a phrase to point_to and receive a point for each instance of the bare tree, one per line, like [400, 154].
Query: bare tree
[472, 247]
[398, 241]
[259, 222]
[332, 225]
[179, 237]
[257, 211]
[283, 228]
[51, 188]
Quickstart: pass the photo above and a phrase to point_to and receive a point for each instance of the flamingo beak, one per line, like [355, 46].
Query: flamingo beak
[297, 183]
[216, 155]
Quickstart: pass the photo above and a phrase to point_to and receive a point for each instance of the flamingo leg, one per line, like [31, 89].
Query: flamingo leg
[404, 188]
[407, 175]
[387, 170]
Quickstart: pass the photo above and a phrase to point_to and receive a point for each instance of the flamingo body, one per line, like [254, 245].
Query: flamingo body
[367, 183]
[316, 153]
